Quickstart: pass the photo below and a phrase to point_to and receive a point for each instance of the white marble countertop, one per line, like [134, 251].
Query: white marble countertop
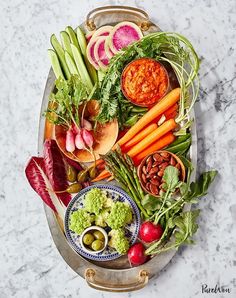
[30, 265]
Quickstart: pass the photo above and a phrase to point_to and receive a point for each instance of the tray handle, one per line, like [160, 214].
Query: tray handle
[93, 283]
[144, 24]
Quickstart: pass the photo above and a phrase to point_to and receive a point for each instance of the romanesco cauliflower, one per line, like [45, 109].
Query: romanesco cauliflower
[80, 220]
[118, 241]
[120, 215]
[100, 219]
[94, 200]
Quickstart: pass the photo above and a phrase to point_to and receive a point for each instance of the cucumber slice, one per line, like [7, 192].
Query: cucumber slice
[65, 40]
[92, 71]
[73, 38]
[81, 67]
[81, 40]
[61, 55]
[71, 64]
[55, 64]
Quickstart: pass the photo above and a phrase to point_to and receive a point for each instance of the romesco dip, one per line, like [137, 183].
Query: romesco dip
[144, 81]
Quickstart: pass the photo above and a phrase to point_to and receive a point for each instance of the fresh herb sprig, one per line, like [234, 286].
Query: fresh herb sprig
[63, 108]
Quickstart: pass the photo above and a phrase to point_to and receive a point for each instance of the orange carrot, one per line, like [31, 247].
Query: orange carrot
[171, 110]
[161, 143]
[140, 136]
[152, 137]
[171, 116]
[163, 105]
[103, 175]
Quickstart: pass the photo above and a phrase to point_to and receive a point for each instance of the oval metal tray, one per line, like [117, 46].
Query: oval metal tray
[113, 275]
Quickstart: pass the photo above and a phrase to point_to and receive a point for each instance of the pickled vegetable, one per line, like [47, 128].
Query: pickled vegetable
[88, 239]
[71, 174]
[97, 245]
[98, 235]
[74, 188]
[82, 176]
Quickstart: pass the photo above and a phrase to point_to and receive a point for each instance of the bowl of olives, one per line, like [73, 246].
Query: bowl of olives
[94, 240]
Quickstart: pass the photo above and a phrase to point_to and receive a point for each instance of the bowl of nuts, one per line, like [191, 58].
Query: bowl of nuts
[152, 167]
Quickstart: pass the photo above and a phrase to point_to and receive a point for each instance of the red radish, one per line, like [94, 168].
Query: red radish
[150, 232]
[70, 141]
[87, 137]
[87, 125]
[75, 129]
[136, 254]
[79, 141]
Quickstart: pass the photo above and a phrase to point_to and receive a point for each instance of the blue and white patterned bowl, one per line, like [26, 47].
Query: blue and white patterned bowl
[132, 230]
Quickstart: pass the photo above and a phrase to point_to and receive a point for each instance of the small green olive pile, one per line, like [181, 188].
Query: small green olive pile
[94, 240]
[77, 178]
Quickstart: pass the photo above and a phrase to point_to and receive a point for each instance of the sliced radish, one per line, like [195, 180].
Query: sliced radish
[123, 34]
[100, 53]
[108, 51]
[89, 36]
[90, 52]
[102, 31]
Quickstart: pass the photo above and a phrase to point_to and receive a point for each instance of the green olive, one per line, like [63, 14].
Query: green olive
[82, 176]
[92, 172]
[88, 239]
[71, 174]
[98, 235]
[97, 245]
[74, 188]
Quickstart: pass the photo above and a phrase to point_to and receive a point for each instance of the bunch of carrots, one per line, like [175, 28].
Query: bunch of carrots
[154, 131]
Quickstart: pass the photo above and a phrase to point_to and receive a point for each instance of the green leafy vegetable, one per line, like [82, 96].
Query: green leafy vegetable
[181, 224]
[64, 105]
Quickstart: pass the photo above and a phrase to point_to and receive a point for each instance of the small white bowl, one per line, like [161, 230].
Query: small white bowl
[97, 229]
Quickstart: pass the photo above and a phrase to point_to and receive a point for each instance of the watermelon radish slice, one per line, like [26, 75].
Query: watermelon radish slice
[102, 31]
[90, 52]
[123, 34]
[89, 36]
[108, 51]
[100, 53]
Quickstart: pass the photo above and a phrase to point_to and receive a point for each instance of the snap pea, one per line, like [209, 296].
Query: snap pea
[132, 120]
[138, 110]
[180, 147]
[179, 140]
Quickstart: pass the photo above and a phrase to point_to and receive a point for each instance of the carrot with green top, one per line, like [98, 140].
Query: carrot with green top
[163, 129]
[158, 145]
[140, 136]
[163, 105]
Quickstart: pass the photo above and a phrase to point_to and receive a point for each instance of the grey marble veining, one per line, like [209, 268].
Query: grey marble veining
[30, 265]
